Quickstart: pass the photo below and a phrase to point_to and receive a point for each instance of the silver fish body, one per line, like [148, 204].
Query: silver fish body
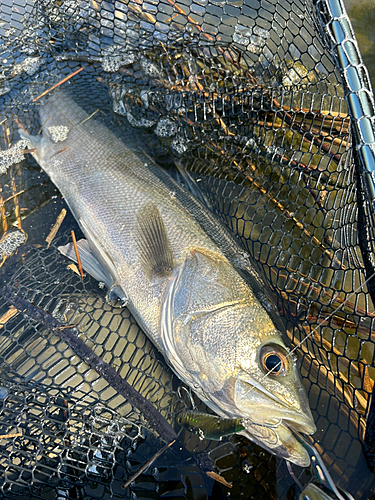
[182, 275]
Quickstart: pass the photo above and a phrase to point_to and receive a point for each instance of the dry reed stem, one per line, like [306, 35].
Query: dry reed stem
[2, 203]
[61, 151]
[56, 227]
[147, 464]
[59, 83]
[218, 478]
[4, 221]
[83, 121]
[15, 198]
[12, 311]
[12, 435]
[43, 124]
[74, 268]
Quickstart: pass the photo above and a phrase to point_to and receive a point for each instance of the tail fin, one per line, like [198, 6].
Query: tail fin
[33, 140]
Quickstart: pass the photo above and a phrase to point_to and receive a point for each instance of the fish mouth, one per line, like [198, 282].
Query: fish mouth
[281, 438]
[279, 441]
[274, 422]
[277, 432]
[303, 424]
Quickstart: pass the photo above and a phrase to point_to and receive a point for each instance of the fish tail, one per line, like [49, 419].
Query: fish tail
[33, 140]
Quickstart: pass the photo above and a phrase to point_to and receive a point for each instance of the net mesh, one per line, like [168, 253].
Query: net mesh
[247, 98]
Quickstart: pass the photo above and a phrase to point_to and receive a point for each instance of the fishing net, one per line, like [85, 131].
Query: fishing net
[263, 109]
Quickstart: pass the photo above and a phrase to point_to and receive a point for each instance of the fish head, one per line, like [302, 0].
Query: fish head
[223, 343]
[269, 394]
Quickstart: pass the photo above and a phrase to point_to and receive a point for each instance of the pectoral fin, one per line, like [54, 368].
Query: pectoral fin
[94, 267]
[90, 263]
[152, 242]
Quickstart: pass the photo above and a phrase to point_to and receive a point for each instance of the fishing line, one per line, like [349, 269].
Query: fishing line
[290, 353]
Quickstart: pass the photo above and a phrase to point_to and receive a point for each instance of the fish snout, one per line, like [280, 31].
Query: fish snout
[294, 411]
[273, 414]
[303, 423]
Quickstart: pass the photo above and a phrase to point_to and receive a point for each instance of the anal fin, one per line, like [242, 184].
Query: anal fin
[152, 242]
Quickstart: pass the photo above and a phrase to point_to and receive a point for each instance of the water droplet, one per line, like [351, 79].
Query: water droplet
[247, 466]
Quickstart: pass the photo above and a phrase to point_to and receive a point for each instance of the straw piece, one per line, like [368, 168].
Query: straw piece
[56, 227]
[59, 83]
[77, 253]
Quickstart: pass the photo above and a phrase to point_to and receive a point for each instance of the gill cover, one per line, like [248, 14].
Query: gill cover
[197, 318]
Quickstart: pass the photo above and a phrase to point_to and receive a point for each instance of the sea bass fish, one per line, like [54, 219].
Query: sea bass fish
[181, 273]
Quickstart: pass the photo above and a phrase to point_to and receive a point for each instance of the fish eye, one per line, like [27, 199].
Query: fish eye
[274, 360]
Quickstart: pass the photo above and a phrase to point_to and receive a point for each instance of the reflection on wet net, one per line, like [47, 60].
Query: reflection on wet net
[247, 99]
[56, 400]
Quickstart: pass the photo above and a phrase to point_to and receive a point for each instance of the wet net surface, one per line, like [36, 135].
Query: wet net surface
[247, 99]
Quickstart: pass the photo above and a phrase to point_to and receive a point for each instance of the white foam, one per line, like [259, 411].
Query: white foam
[114, 58]
[138, 122]
[121, 109]
[58, 133]
[11, 241]
[166, 128]
[4, 89]
[111, 64]
[29, 65]
[149, 67]
[9, 157]
[179, 145]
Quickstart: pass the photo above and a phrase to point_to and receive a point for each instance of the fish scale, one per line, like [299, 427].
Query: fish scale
[181, 274]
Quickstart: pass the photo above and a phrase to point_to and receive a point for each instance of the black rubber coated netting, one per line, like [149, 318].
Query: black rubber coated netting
[242, 101]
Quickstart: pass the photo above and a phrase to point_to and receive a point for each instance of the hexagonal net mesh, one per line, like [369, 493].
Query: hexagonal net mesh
[246, 97]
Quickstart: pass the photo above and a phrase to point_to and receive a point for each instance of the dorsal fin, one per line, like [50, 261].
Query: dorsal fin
[152, 242]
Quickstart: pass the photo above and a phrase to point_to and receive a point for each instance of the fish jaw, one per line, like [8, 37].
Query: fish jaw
[279, 441]
[279, 414]
[287, 403]
[270, 424]
[275, 423]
